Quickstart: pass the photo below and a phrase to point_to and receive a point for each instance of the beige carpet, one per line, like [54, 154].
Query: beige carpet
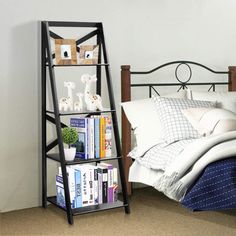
[151, 214]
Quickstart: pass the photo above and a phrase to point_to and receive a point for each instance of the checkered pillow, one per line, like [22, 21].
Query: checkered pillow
[175, 125]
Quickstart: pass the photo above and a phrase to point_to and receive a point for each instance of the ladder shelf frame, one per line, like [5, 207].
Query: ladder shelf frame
[54, 116]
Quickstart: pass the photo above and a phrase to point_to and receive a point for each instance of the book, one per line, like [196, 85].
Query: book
[115, 184]
[95, 185]
[102, 172]
[84, 186]
[78, 189]
[81, 125]
[109, 167]
[90, 138]
[71, 183]
[97, 136]
[102, 136]
[108, 136]
[90, 169]
[60, 191]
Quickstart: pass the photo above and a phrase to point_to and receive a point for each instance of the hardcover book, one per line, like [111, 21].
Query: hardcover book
[102, 172]
[108, 137]
[81, 124]
[109, 181]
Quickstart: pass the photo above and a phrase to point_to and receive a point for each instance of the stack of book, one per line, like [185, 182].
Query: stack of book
[88, 185]
[95, 136]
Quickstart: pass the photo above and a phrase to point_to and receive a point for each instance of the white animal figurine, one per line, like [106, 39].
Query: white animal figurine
[66, 103]
[78, 105]
[92, 101]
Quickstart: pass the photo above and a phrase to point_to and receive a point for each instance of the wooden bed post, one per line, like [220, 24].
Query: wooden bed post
[126, 127]
[232, 78]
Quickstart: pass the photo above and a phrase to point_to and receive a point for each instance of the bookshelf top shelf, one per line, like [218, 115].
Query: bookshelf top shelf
[75, 65]
[56, 157]
[84, 112]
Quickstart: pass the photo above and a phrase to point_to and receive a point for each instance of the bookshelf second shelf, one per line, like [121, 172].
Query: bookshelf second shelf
[56, 157]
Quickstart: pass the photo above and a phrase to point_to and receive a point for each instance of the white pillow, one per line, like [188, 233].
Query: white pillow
[145, 121]
[175, 126]
[225, 100]
[209, 121]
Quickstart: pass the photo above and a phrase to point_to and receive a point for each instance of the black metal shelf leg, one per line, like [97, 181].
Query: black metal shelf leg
[115, 126]
[58, 127]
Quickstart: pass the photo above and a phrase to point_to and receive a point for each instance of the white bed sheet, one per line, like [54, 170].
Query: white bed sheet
[141, 174]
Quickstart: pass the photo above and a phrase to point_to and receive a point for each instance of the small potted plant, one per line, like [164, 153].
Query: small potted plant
[69, 137]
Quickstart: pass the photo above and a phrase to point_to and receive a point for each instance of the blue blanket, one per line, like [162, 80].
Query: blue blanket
[215, 189]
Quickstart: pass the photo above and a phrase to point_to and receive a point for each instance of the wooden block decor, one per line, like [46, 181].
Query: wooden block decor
[88, 54]
[65, 52]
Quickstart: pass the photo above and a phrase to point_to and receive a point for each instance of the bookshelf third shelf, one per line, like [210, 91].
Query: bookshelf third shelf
[56, 157]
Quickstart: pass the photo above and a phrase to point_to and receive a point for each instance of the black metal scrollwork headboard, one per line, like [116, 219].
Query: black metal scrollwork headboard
[182, 84]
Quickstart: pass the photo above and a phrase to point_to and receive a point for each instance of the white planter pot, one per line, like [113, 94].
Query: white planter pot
[70, 153]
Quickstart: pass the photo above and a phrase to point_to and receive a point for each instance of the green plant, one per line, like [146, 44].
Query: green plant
[69, 135]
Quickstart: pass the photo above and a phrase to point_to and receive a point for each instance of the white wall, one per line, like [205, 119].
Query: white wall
[141, 33]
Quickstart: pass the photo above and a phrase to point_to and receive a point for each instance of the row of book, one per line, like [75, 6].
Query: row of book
[95, 136]
[88, 185]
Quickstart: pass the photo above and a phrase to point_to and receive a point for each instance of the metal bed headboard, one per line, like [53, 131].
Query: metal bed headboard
[182, 84]
[126, 86]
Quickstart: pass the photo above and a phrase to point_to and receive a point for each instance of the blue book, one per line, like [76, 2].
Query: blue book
[97, 136]
[81, 124]
[78, 190]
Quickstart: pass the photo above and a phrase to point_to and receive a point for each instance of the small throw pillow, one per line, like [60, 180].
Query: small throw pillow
[225, 100]
[175, 125]
[209, 121]
[145, 121]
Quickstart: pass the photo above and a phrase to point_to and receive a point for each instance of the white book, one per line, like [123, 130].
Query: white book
[85, 188]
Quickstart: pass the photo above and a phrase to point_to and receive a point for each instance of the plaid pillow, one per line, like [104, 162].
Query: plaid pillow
[175, 125]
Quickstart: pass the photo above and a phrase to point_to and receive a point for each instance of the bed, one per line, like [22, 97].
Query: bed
[190, 153]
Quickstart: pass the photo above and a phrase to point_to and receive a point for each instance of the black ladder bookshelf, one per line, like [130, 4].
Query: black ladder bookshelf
[54, 117]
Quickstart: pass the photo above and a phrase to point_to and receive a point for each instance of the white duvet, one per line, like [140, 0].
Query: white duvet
[178, 175]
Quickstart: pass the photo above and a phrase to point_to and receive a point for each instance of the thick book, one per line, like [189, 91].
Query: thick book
[60, 191]
[81, 125]
[110, 197]
[108, 136]
[78, 189]
[97, 136]
[84, 186]
[102, 172]
[102, 136]
[71, 183]
[90, 169]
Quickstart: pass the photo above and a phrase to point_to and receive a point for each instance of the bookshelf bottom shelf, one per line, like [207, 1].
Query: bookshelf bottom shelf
[90, 209]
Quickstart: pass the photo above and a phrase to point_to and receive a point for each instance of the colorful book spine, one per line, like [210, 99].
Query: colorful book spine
[102, 136]
[71, 183]
[78, 190]
[97, 137]
[109, 167]
[81, 124]
[91, 137]
[60, 191]
[108, 136]
[115, 184]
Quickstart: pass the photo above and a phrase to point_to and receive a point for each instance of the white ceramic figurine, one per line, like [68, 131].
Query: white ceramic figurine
[66, 103]
[78, 105]
[92, 101]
